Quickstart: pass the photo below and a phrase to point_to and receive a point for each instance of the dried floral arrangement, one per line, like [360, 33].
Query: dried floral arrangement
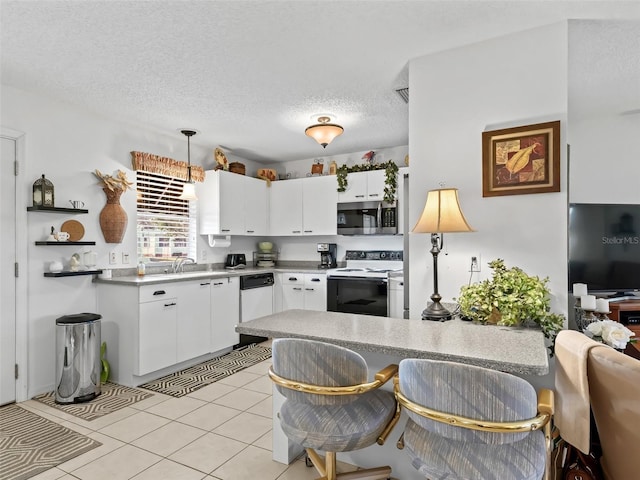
[118, 182]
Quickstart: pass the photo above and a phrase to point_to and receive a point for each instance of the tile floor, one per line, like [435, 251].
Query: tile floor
[222, 431]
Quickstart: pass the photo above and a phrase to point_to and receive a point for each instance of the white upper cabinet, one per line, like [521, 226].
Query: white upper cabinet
[232, 204]
[304, 206]
[286, 208]
[256, 207]
[363, 186]
[319, 200]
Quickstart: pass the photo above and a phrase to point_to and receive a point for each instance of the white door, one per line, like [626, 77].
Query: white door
[319, 200]
[7, 273]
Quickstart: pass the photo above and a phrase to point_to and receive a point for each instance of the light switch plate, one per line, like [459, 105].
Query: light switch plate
[125, 258]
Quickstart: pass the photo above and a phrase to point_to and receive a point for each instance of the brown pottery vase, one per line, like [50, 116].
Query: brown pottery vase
[113, 218]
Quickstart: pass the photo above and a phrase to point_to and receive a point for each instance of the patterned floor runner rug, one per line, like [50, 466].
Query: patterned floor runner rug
[113, 397]
[31, 444]
[191, 379]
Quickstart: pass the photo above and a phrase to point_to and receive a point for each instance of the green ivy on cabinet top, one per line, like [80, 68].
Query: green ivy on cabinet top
[390, 181]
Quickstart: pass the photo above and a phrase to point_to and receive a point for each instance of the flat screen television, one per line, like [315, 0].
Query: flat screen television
[604, 247]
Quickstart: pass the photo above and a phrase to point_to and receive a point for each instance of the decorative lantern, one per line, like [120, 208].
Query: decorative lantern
[43, 193]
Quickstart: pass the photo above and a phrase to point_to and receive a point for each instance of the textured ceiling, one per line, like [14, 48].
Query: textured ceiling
[248, 75]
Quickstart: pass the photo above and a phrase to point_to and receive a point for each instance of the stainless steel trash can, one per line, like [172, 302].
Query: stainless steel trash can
[78, 365]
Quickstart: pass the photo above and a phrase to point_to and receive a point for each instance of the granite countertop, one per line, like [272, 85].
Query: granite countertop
[509, 349]
[156, 278]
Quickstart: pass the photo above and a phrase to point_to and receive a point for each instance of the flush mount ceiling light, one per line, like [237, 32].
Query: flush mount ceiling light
[189, 188]
[324, 131]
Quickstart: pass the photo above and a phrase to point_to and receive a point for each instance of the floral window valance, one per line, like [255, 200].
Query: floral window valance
[165, 166]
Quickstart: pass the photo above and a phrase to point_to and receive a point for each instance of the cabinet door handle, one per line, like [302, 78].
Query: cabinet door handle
[310, 289]
[203, 284]
[170, 304]
[315, 279]
[159, 292]
[219, 283]
[374, 195]
[225, 230]
[293, 279]
[359, 196]
[250, 231]
[295, 231]
[308, 231]
[297, 288]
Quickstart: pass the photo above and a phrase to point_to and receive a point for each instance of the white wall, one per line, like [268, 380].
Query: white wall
[603, 116]
[515, 80]
[67, 144]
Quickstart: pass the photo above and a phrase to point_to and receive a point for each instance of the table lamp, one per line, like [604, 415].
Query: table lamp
[441, 214]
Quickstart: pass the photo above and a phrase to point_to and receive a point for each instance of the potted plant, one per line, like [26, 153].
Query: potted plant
[511, 298]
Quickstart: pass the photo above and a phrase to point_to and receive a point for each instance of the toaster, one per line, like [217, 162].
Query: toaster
[236, 260]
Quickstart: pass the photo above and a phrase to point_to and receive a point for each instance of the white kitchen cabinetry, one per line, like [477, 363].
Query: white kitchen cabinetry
[364, 186]
[286, 208]
[396, 297]
[304, 206]
[154, 330]
[156, 340]
[232, 204]
[194, 318]
[225, 312]
[306, 291]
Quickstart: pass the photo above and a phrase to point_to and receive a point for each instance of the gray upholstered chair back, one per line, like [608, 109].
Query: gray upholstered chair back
[318, 364]
[468, 391]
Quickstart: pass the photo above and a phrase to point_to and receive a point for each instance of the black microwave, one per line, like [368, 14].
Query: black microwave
[367, 218]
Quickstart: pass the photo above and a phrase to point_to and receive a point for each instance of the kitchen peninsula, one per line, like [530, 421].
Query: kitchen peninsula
[382, 341]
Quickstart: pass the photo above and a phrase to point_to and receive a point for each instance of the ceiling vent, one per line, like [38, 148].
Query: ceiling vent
[404, 93]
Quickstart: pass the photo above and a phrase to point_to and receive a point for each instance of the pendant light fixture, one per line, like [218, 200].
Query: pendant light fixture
[189, 188]
[324, 132]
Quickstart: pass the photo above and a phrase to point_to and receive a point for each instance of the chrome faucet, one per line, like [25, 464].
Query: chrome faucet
[178, 263]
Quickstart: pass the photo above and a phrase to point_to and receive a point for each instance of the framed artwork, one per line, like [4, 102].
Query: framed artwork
[521, 160]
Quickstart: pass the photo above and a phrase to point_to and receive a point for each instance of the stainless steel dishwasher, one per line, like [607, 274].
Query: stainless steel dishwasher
[256, 300]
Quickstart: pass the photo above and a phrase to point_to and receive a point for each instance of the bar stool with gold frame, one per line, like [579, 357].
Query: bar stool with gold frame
[330, 406]
[469, 422]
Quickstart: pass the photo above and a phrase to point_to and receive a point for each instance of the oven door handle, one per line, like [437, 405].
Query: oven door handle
[355, 277]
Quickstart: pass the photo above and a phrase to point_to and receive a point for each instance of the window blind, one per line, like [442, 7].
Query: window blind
[166, 225]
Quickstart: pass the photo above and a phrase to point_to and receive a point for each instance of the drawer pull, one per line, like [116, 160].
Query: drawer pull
[309, 289]
[308, 231]
[359, 196]
[203, 284]
[159, 292]
[295, 231]
[374, 195]
[250, 231]
[293, 279]
[315, 279]
[225, 230]
[219, 283]
[297, 288]
[170, 304]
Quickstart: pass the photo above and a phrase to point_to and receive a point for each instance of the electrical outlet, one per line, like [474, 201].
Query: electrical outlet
[113, 259]
[125, 258]
[475, 264]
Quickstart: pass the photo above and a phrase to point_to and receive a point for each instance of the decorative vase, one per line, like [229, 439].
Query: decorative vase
[113, 218]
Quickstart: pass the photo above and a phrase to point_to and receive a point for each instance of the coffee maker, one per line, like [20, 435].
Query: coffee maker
[328, 253]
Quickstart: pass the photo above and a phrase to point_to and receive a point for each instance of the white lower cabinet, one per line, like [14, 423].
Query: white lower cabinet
[194, 318]
[157, 346]
[305, 291]
[396, 297]
[225, 312]
[153, 330]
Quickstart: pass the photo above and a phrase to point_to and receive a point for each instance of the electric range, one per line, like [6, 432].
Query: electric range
[362, 286]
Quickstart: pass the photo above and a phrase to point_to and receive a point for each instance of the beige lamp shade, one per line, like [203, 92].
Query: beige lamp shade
[324, 132]
[442, 213]
[188, 192]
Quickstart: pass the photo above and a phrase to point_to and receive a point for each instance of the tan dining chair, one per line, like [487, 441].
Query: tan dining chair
[330, 404]
[591, 376]
[468, 422]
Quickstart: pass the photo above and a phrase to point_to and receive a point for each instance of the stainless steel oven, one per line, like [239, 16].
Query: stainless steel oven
[362, 287]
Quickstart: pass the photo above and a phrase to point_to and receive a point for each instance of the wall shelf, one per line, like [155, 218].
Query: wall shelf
[65, 273]
[56, 209]
[64, 243]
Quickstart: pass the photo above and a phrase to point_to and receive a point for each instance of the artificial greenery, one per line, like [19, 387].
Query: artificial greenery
[390, 180]
[510, 297]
